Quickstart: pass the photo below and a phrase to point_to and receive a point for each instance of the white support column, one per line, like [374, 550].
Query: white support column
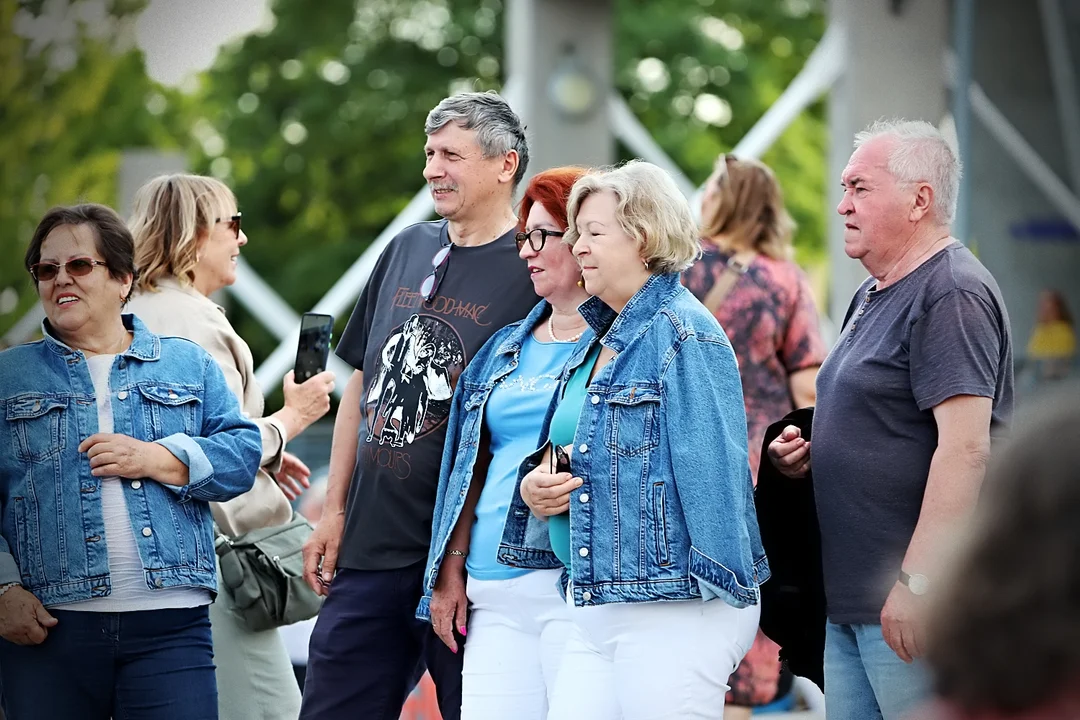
[1063, 74]
[894, 68]
[561, 52]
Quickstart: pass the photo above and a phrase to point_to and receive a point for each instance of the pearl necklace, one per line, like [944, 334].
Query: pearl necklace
[551, 332]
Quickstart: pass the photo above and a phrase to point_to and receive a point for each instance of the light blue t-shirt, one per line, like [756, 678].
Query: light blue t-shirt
[513, 417]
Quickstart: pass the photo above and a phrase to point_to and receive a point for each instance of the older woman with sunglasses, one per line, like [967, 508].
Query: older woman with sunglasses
[187, 239]
[518, 621]
[115, 442]
[661, 545]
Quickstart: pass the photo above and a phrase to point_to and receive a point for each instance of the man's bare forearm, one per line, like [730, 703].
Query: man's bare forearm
[952, 490]
[346, 439]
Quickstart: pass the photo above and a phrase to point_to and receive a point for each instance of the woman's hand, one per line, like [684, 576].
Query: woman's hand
[23, 619]
[547, 493]
[111, 454]
[293, 477]
[449, 605]
[304, 403]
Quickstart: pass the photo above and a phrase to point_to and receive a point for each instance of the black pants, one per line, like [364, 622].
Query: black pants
[368, 650]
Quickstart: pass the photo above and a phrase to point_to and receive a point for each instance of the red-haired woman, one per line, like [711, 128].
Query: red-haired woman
[519, 621]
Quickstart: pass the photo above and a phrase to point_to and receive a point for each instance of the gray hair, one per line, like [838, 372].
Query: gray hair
[920, 153]
[498, 128]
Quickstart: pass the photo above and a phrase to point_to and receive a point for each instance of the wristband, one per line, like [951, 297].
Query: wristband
[456, 552]
[7, 586]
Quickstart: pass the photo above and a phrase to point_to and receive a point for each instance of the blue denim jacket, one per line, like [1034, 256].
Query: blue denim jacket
[666, 511]
[165, 389]
[495, 360]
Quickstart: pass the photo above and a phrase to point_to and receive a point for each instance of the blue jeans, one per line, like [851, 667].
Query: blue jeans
[152, 665]
[864, 678]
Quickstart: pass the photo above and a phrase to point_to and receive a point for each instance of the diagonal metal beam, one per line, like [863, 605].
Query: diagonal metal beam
[818, 75]
[1063, 74]
[635, 136]
[1013, 142]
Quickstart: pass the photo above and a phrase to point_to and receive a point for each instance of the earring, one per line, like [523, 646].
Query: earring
[581, 283]
[645, 263]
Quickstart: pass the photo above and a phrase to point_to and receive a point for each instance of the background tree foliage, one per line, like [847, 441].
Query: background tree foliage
[316, 121]
[68, 109]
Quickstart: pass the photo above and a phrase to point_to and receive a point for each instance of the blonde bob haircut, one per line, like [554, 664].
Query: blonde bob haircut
[650, 209]
[172, 216]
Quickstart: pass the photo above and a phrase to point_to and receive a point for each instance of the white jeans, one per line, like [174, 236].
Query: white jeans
[651, 661]
[517, 631]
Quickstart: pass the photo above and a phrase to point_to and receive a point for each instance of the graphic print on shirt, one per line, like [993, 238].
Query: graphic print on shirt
[418, 367]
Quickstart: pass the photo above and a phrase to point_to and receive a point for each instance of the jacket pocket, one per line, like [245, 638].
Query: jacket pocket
[663, 555]
[37, 426]
[170, 409]
[634, 413]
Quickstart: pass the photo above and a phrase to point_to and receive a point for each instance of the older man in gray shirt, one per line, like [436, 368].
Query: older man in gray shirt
[908, 399]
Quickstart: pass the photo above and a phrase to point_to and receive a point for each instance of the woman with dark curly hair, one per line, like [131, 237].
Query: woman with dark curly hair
[1007, 628]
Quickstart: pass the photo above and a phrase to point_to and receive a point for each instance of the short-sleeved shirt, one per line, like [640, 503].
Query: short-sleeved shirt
[770, 317]
[411, 352]
[939, 332]
[513, 417]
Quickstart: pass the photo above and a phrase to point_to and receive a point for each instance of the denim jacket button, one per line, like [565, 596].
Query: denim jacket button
[583, 497]
[583, 552]
[586, 596]
[583, 448]
[136, 484]
[37, 405]
[595, 399]
[147, 532]
[158, 583]
[122, 395]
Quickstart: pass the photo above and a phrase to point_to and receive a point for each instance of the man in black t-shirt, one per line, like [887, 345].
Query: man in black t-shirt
[437, 293]
[908, 399]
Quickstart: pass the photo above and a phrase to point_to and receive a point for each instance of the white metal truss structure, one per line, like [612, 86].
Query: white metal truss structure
[822, 69]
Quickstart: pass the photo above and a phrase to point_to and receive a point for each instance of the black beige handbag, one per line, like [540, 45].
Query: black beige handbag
[263, 571]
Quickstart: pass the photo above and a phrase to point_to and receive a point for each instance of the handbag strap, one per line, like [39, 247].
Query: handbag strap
[734, 268]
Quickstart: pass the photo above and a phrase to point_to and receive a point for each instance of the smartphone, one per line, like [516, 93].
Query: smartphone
[313, 350]
[562, 460]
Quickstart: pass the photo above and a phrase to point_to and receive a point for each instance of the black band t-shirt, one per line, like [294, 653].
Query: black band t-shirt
[412, 352]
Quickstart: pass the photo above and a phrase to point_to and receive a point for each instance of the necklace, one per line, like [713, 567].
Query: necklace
[551, 332]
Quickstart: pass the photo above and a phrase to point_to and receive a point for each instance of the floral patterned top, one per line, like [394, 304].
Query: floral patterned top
[772, 322]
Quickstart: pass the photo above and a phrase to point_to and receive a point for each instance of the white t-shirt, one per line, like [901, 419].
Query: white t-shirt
[130, 591]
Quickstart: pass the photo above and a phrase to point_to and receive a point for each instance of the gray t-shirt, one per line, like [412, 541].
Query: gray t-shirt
[411, 352]
[939, 332]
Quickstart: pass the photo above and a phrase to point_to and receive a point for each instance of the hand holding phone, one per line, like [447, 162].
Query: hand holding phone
[313, 349]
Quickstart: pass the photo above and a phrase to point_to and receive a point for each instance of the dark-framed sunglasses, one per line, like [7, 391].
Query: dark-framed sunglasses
[430, 286]
[76, 267]
[536, 238]
[234, 223]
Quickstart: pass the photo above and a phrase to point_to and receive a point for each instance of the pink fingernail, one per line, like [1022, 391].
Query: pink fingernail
[462, 630]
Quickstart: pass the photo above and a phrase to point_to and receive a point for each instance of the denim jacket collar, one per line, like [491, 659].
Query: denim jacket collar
[144, 344]
[512, 345]
[618, 329]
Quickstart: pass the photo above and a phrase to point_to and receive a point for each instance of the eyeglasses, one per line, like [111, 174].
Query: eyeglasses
[536, 238]
[234, 223]
[430, 286]
[78, 267]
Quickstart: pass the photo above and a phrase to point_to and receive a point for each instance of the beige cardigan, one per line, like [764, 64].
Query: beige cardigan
[178, 309]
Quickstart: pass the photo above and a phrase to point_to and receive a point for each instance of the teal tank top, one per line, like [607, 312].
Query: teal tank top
[563, 426]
